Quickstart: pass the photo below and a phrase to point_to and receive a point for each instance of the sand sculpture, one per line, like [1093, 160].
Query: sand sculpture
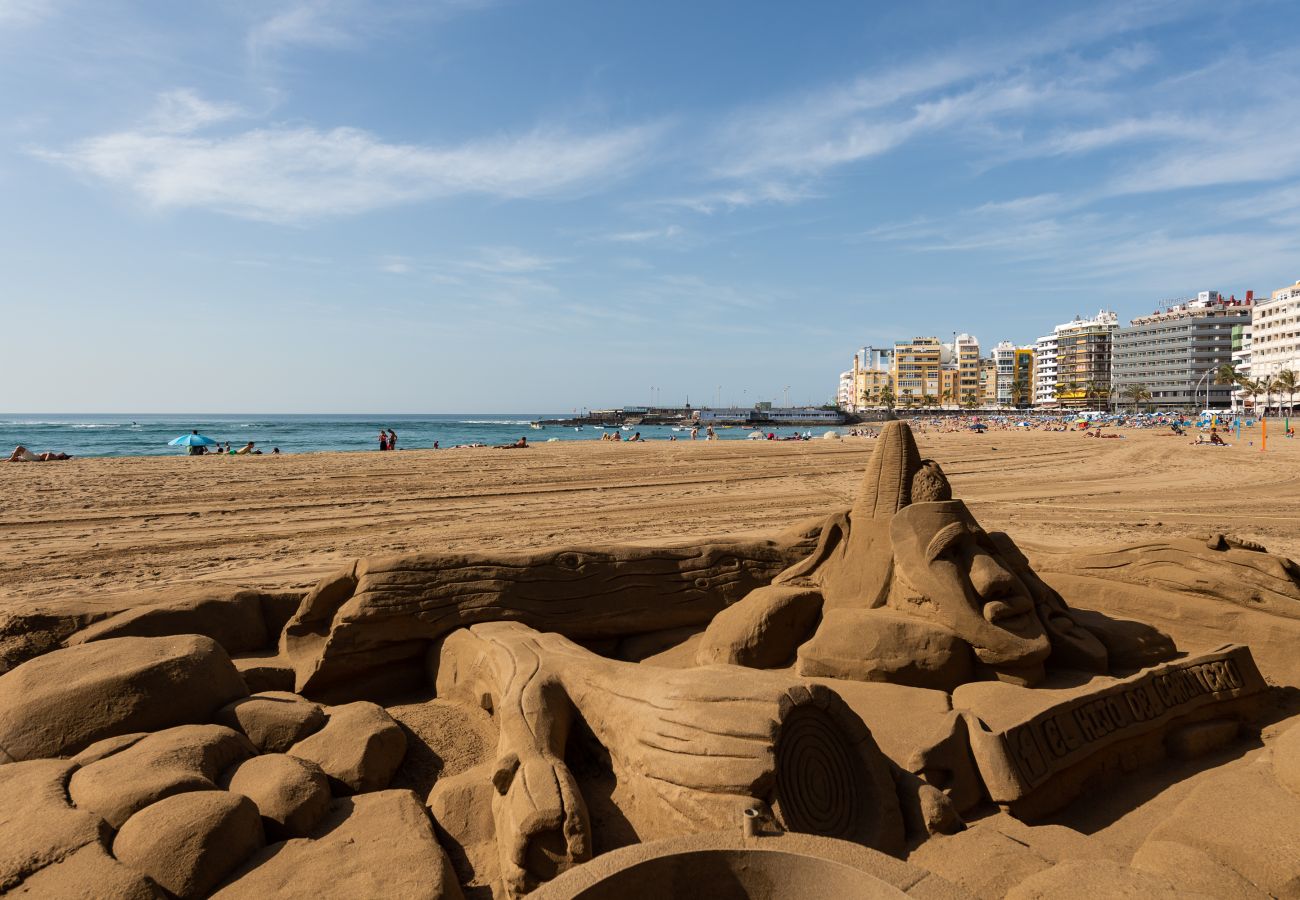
[869, 677]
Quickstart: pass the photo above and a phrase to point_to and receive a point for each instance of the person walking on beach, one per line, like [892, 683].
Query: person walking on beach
[392, 439]
[383, 439]
[695, 433]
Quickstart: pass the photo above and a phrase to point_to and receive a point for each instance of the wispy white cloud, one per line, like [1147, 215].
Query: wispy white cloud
[338, 24]
[667, 233]
[285, 173]
[775, 193]
[183, 110]
[967, 86]
[21, 13]
[509, 261]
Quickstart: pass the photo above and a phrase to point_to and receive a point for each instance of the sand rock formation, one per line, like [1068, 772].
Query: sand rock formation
[173, 761]
[291, 794]
[273, 720]
[69, 698]
[371, 845]
[189, 842]
[359, 748]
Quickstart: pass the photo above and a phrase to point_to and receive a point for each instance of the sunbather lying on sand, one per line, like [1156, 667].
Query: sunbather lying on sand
[22, 454]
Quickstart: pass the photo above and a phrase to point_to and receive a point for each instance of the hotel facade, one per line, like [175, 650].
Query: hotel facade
[1175, 352]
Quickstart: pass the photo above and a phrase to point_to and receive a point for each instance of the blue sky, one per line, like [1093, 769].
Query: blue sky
[467, 205]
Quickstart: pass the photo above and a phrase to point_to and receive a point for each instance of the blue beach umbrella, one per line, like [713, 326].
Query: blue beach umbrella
[191, 440]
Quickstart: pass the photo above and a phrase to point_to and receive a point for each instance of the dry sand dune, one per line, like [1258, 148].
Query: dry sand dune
[89, 526]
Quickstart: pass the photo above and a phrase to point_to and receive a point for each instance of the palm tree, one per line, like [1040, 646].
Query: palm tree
[927, 400]
[887, 397]
[1095, 390]
[1138, 393]
[1059, 392]
[1266, 387]
[1253, 388]
[1288, 382]
[1227, 374]
[945, 395]
[1017, 394]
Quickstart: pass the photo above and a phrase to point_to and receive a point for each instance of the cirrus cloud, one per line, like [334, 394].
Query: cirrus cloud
[283, 173]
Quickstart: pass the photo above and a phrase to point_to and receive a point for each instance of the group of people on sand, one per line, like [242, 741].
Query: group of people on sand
[387, 439]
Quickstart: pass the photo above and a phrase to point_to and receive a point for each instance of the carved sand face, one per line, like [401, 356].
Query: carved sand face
[948, 569]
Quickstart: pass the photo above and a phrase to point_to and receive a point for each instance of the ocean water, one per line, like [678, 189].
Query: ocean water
[147, 435]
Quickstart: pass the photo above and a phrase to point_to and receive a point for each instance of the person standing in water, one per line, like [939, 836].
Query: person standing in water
[383, 439]
[392, 439]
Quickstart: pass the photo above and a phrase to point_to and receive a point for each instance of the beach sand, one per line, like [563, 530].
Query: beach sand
[92, 526]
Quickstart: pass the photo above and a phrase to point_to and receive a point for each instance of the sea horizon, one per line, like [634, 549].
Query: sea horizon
[147, 434]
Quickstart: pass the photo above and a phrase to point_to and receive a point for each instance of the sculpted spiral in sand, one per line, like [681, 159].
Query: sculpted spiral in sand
[820, 783]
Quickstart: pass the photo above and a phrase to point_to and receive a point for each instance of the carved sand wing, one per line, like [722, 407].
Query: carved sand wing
[697, 746]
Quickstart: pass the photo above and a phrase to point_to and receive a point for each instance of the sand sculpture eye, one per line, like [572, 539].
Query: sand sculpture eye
[571, 561]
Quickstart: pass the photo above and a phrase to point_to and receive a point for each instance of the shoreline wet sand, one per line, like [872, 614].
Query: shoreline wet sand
[111, 525]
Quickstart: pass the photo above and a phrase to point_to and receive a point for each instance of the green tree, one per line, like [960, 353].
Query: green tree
[1137, 393]
[1287, 382]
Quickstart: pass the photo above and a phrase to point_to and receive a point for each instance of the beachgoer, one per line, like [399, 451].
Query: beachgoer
[275, 451]
[219, 449]
[392, 439]
[618, 436]
[383, 439]
[695, 433]
[246, 449]
[227, 447]
[709, 434]
[521, 444]
[635, 437]
[197, 450]
[1215, 439]
[435, 445]
[22, 454]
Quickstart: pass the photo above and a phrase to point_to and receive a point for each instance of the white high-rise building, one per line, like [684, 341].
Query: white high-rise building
[1075, 354]
[1275, 333]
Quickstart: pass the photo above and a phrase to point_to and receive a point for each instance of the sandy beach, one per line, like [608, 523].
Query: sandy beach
[112, 525]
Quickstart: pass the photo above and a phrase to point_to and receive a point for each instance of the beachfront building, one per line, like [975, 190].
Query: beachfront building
[988, 383]
[966, 358]
[844, 394]
[1175, 352]
[1241, 354]
[1014, 368]
[872, 379]
[917, 365]
[1073, 363]
[1275, 333]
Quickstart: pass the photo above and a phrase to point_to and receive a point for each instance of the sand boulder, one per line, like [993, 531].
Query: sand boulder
[190, 842]
[764, 631]
[359, 748]
[374, 845]
[878, 645]
[181, 759]
[273, 720]
[38, 826]
[232, 618]
[292, 794]
[61, 702]
[88, 873]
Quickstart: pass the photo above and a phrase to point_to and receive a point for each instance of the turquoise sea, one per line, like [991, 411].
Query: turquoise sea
[147, 435]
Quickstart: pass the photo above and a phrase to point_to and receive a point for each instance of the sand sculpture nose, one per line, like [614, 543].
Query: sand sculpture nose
[993, 582]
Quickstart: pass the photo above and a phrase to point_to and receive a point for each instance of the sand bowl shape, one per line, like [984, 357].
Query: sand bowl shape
[719, 866]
